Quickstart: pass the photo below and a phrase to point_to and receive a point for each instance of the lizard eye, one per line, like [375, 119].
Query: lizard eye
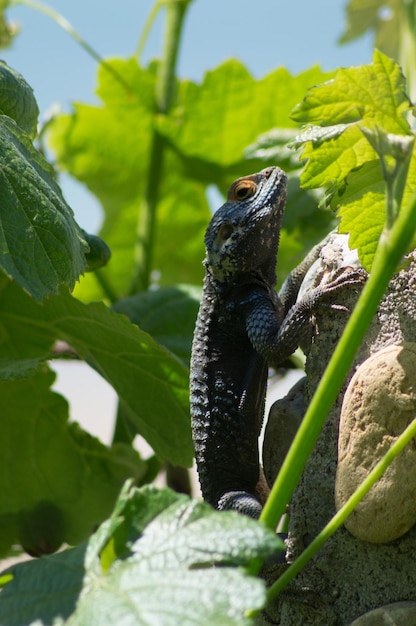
[225, 231]
[242, 190]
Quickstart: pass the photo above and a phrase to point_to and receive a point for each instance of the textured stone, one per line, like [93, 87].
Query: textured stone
[285, 416]
[347, 577]
[378, 405]
[396, 614]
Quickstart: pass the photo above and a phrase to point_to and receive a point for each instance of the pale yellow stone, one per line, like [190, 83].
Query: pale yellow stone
[396, 614]
[378, 405]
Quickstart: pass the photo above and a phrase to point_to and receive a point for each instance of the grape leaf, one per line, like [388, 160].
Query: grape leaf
[57, 482]
[371, 96]
[107, 147]
[230, 109]
[41, 245]
[338, 154]
[168, 314]
[384, 17]
[151, 382]
[17, 100]
[172, 564]
[362, 210]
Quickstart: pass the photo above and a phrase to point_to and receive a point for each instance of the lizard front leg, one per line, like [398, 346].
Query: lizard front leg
[277, 341]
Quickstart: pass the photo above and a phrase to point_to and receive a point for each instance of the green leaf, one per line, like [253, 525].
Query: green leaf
[317, 134]
[17, 100]
[230, 109]
[170, 598]
[218, 542]
[22, 347]
[372, 94]
[43, 589]
[107, 148]
[12, 368]
[393, 26]
[329, 162]
[141, 515]
[345, 113]
[41, 246]
[362, 207]
[172, 565]
[151, 383]
[381, 16]
[97, 145]
[363, 210]
[369, 95]
[56, 481]
[275, 147]
[168, 314]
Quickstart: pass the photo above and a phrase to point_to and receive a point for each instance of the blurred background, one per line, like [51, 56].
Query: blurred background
[264, 35]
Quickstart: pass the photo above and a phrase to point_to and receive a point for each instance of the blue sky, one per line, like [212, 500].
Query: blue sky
[264, 34]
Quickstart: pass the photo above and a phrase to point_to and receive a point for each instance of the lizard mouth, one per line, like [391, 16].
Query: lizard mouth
[270, 196]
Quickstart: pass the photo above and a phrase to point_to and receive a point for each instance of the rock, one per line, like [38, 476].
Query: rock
[398, 613]
[378, 405]
[284, 419]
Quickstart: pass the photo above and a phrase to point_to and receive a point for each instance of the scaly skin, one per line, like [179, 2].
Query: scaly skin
[243, 327]
[228, 374]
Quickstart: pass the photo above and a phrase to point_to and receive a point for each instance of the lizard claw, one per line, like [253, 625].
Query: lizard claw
[344, 279]
[351, 278]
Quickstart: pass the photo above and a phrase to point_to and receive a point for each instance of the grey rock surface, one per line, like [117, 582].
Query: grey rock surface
[349, 576]
[284, 419]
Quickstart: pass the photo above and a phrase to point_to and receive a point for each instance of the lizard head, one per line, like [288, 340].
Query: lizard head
[243, 235]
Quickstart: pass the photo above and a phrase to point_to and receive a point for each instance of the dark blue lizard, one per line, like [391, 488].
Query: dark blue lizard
[243, 327]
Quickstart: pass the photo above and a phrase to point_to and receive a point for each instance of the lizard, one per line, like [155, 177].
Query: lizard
[244, 327]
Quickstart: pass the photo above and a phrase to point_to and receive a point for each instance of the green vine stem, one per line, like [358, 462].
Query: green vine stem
[165, 91]
[147, 28]
[392, 246]
[145, 235]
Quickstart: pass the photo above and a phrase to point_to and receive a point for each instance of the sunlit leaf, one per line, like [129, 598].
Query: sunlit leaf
[177, 566]
[344, 114]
